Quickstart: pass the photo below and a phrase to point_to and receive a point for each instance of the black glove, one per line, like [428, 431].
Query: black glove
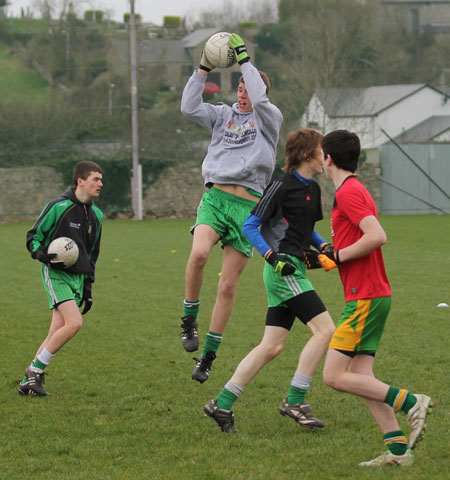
[281, 263]
[310, 258]
[239, 47]
[87, 297]
[329, 259]
[328, 247]
[46, 259]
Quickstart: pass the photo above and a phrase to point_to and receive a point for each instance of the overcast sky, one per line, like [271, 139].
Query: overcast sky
[150, 10]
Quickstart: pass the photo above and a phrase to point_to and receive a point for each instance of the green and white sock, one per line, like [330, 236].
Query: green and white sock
[229, 395]
[191, 308]
[43, 359]
[298, 389]
[212, 342]
[38, 364]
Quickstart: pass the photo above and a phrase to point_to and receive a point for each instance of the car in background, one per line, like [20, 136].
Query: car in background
[211, 87]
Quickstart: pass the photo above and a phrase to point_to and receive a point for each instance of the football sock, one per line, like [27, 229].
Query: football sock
[38, 364]
[400, 399]
[396, 442]
[191, 308]
[229, 395]
[296, 395]
[298, 389]
[212, 342]
[44, 357]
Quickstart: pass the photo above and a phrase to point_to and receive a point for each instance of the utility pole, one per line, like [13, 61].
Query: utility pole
[68, 19]
[137, 169]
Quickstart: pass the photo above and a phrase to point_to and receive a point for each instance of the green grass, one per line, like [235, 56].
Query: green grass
[27, 25]
[19, 84]
[123, 405]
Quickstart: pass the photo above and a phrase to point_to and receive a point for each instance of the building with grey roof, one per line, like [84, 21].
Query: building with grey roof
[175, 59]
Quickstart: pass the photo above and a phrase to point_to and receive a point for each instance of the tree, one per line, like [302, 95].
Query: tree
[231, 14]
[316, 44]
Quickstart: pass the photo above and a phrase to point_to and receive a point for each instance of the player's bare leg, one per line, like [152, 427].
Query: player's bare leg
[66, 322]
[295, 405]
[204, 239]
[73, 321]
[337, 375]
[270, 347]
[233, 264]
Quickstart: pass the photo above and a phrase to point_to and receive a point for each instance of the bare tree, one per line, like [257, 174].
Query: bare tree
[232, 13]
[49, 9]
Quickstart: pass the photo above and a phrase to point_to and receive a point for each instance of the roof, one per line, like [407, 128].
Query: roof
[154, 51]
[406, 2]
[362, 102]
[198, 36]
[425, 131]
[164, 50]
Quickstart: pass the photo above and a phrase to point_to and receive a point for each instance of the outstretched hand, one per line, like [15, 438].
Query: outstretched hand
[239, 47]
[205, 64]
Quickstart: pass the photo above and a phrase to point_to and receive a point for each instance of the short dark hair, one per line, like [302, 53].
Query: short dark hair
[84, 169]
[265, 79]
[301, 145]
[344, 149]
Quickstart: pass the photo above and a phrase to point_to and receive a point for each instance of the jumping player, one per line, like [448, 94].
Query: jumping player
[237, 168]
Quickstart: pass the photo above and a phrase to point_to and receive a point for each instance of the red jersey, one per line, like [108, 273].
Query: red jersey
[363, 277]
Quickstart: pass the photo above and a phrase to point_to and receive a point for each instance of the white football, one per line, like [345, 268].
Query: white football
[66, 251]
[217, 51]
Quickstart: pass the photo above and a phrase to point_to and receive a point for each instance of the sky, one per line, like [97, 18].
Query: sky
[150, 10]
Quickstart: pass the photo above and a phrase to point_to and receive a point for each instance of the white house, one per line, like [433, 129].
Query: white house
[367, 111]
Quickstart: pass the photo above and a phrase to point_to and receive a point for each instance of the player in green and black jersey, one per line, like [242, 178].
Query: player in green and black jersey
[73, 215]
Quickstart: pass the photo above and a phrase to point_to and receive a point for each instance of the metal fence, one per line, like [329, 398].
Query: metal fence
[415, 178]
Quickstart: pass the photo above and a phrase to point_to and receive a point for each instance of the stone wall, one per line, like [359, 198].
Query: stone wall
[25, 191]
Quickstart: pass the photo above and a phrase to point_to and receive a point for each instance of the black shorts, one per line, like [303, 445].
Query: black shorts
[305, 306]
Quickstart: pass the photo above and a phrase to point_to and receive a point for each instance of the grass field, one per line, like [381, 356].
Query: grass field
[18, 84]
[122, 404]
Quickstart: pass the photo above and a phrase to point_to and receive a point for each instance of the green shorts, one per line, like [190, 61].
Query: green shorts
[61, 286]
[226, 214]
[361, 325]
[280, 289]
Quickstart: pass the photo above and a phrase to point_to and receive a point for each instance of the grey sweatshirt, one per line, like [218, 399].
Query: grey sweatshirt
[243, 145]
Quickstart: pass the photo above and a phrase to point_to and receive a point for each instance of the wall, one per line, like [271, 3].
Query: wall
[25, 191]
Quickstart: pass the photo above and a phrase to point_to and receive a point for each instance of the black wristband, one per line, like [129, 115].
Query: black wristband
[202, 67]
[271, 258]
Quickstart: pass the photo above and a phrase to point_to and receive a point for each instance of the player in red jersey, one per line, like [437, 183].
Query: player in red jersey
[357, 239]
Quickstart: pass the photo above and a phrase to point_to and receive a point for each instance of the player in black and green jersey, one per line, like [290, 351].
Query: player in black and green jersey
[286, 213]
[73, 215]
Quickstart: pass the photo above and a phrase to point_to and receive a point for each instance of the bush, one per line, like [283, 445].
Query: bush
[171, 21]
